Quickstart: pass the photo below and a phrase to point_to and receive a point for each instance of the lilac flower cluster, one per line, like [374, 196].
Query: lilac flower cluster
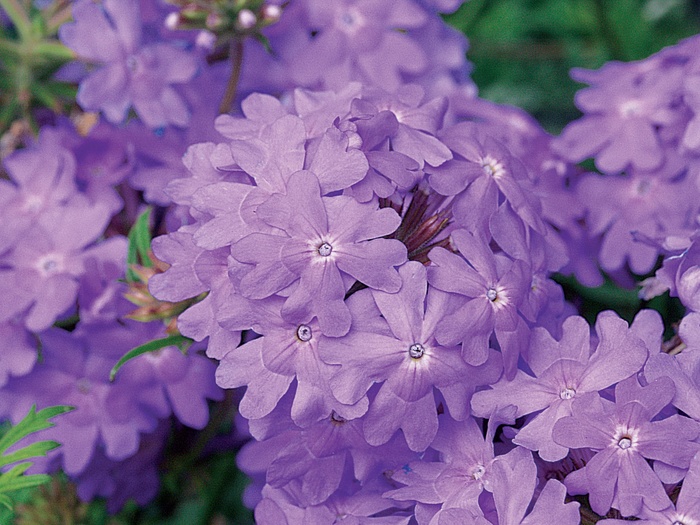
[366, 251]
[640, 125]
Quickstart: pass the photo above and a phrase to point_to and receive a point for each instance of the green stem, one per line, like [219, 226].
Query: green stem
[19, 17]
[608, 32]
[236, 52]
[54, 50]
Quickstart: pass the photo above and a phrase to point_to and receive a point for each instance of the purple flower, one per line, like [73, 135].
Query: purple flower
[135, 477]
[686, 509]
[626, 434]
[681, 368]
[514, 480]
[463, 472]
[132, 73]
[624, 108]
[42, 180]
[111, 415]
[483, 171]
[267, 365]
[493, 287]
[625, 208]
[404, 356]
[352, 504]
[40, 275]
[20, 352]
[324, 241]
[329, 43]
[563, 371]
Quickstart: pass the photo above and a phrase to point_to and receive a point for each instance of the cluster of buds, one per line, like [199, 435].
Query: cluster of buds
[226, 20]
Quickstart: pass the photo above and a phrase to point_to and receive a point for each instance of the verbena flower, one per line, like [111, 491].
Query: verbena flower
[561, 372]
[133, 72]
[626, 434]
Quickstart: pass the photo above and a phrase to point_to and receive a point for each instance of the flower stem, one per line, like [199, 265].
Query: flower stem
[19, 17]
[236, 55]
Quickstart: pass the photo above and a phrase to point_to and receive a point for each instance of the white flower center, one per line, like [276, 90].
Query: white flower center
[32, 203]
[567, 393]
[624, 443]
[478, 472]
[350, 21]
[416, 350]
[492, 294]
[304, 333]
[630, 108]
[492, 167]
[49, 265]
[325, 249]
[246, 19]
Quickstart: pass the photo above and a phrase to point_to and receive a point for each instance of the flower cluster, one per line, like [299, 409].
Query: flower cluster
[367, 251]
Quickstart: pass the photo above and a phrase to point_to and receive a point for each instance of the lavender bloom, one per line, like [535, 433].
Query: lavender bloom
[686, 509]
[483, 171]
[325, 239]
[493, 287]
[40, 275]
[403, 355]
[362, 506]
[681, 368]
[108, 415]
[19, 353]
[132, 73]
[330, 43]
[514, 479]
[268, 365]
[624, 107]
[625, 436]
[42, 179]
[410, 122]
[563, 371]
[103, 159]
[463, 472]
[623, 209]
[134, 478]
[311, 464]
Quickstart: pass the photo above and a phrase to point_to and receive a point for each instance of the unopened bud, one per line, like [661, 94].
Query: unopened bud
[272, 12]
[246, 19]
[205, 40]
[172, 21]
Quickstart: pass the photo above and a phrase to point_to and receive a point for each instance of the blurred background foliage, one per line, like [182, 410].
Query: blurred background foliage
[521, 50]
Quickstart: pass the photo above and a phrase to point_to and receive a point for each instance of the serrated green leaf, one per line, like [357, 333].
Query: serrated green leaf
[14, 479]
[174, 340]
[139, 244]
[33, 422]
[40, 448]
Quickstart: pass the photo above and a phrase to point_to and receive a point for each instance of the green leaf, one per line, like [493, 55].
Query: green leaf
[6, 501]
[19, 17]
[34, 450]
[174, 340]
[139, 244]
[54, 50]
[15, 479]
[33, 422]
